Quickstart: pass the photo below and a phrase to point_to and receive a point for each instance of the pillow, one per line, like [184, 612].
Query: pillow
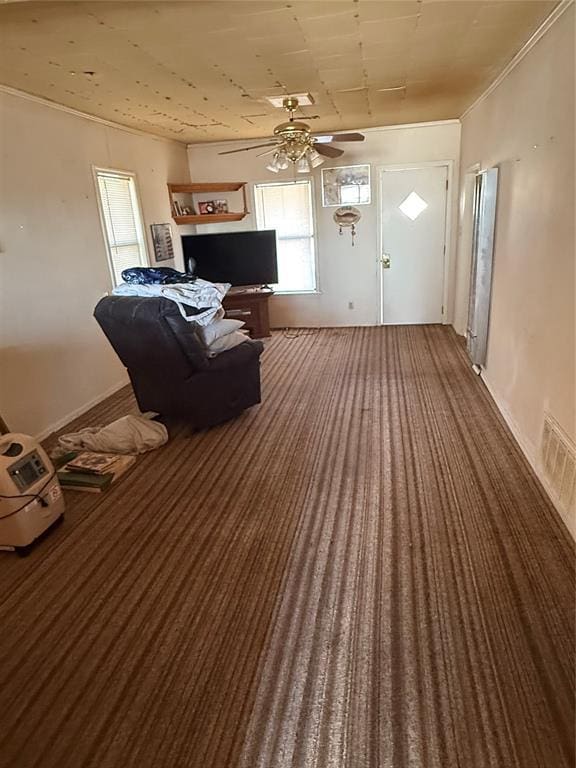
[218, 328]
[229, 341]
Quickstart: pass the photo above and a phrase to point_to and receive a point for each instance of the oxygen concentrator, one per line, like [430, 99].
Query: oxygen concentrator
[31, 499]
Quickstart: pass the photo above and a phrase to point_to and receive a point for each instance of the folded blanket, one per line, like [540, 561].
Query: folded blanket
[129, 434]
[205, 297]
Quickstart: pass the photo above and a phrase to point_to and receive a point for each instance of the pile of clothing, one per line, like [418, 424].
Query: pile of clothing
[199, 301]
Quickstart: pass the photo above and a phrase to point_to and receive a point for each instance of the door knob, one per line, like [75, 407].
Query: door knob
[385, 261]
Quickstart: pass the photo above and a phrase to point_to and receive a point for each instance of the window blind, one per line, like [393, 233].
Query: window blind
[122, 223]
[287, 208]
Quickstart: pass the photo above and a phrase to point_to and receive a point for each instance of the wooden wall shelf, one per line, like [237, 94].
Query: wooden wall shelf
[202, 188]
[209, 218]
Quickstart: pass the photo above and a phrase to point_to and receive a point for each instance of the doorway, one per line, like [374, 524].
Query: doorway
[413, 210]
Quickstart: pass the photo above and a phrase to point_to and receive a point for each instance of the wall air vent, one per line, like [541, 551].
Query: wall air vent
[559, 463]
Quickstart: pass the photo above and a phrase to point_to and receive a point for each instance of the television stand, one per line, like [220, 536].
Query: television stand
[250, 306]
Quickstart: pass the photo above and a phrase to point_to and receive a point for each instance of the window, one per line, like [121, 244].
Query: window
[287, 208]
[121, 221]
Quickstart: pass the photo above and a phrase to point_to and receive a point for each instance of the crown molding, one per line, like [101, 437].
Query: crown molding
[84, 115]
[548, 22]
[373, 129]
[404, 126]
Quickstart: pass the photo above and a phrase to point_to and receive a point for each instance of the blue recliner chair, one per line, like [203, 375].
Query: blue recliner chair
[168, 363]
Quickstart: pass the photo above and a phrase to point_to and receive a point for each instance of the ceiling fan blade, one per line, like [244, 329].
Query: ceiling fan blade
[246, 149]
[269, 151]
[327, 150]
[326, 139]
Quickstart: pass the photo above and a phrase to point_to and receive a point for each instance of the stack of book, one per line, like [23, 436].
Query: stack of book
[92, 472]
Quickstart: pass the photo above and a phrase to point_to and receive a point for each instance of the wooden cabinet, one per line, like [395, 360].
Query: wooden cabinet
[250, 306]
[207, 218]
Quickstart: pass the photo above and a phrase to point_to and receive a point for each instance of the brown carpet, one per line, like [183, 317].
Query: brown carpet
[360, 573]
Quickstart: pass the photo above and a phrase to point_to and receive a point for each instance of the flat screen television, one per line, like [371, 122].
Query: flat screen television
[239, 258]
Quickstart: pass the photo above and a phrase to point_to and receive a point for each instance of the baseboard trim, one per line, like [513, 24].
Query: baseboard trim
[80, 411]
[284, 327]
[530, 452]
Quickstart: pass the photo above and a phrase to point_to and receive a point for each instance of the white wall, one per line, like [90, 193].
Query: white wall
[346, 274]
[53, 265]
[526, 127]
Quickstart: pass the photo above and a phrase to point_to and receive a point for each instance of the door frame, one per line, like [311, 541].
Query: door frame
[447, 259]
[464, 249]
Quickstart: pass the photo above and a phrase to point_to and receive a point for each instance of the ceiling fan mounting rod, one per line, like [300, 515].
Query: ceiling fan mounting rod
[290, 104]
[294, 134]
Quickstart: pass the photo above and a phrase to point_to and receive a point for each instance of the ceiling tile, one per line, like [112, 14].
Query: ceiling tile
[378, 11]
[199, 71]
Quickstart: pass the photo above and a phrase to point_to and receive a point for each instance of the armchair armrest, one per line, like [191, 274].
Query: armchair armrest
[249, 350]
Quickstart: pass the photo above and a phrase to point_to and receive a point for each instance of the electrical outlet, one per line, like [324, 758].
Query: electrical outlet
[350, 305]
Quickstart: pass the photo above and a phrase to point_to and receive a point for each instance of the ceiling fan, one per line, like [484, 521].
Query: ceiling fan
[295, 143]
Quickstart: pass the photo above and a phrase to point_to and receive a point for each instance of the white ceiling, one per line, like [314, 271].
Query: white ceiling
[200, 71]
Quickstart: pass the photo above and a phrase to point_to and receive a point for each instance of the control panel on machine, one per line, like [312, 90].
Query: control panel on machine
[27, 470]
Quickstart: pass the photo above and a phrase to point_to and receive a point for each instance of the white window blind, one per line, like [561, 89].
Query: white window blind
[287, 208]
[122, 222]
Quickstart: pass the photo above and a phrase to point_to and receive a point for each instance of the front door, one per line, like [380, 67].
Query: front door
[413, 244]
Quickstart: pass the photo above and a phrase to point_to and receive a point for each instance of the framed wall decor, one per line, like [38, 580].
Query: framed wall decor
[207, 207]
[162, 241]
[346, 185]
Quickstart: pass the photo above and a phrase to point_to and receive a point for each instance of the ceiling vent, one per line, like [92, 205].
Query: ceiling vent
[559, 463]
[304, 99]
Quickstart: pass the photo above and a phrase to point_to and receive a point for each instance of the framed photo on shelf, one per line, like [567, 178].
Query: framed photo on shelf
[346, 185]
[162, 241]
[206, 208]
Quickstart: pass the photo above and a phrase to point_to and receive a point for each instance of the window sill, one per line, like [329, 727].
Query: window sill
[297, 293]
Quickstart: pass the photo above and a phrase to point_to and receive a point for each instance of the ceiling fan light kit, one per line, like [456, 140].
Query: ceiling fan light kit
[314, 158]
[302, 165]
[279, 162]
[294, 143]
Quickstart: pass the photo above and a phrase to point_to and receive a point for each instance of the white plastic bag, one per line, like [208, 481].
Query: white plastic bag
[129, 434]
